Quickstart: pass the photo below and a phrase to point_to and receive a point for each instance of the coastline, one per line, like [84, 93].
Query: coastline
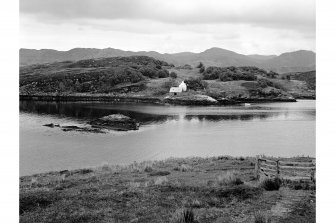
[152, 100]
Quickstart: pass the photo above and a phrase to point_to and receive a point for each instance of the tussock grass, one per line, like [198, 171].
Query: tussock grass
[183, 216]
[229, 178]
[196, 204]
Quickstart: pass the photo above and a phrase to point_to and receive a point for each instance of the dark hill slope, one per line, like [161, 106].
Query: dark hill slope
[92, 75]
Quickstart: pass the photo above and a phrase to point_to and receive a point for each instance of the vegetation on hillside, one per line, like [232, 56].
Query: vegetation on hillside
[146, 77]
[309, 77]
[196, 84]
[233, 73]
[94, 75]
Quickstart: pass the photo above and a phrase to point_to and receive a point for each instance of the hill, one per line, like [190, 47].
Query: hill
[287, 62]
[92, 75]
[146, 78]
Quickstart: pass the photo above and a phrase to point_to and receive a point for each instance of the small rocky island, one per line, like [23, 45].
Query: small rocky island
[116, 122]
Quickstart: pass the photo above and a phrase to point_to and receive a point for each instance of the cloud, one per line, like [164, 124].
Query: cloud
[295, 14]
[254, 26]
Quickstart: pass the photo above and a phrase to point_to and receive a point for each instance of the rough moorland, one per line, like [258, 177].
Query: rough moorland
[215, 189]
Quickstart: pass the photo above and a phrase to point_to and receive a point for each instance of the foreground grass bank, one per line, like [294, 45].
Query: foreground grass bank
[216, 189]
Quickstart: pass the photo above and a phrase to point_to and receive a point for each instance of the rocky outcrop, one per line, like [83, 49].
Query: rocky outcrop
[67, 128]
[191, 100]
[116, 122]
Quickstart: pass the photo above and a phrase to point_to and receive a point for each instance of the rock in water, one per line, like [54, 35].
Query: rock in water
[117, 122]
[51, 125]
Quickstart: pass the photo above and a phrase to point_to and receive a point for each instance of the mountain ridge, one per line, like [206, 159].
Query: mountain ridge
[296, 61]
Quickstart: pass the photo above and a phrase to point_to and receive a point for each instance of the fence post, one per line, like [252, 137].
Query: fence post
[278, 171]
[257, 167]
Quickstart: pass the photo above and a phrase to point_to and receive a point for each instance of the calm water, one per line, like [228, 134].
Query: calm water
[278, 129]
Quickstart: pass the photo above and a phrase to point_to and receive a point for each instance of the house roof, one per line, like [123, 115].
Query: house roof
[175, 89]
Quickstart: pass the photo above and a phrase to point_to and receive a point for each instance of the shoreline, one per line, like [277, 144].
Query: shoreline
[174, 159]
[153, 100]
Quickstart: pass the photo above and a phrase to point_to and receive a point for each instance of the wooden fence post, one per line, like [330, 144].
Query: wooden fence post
[278, 171]
[257, 167]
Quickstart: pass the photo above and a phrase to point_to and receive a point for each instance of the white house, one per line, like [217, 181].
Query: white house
[177, 90]
[183, 86]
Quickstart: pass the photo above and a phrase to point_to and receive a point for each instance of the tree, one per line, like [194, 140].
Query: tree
[200, 65]
[173, 75]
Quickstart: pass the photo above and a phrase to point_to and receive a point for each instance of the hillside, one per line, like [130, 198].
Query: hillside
[150, 79]
[287, 62]
[94, 76]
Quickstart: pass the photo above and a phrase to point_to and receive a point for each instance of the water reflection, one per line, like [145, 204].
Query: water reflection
[88, 111]
[150, 114]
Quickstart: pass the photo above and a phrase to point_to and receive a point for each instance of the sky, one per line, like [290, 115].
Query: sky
[169, 26]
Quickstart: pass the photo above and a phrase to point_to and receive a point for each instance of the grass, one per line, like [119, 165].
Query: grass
[184, 216]
[229, 178]
[303, 211]
[139, 193]
[261, 217]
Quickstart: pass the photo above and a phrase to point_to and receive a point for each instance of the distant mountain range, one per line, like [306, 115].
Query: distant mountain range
[297, 61]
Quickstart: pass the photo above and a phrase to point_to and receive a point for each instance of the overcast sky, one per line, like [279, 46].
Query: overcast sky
[168, 26]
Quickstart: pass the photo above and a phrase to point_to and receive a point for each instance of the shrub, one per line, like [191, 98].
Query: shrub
[184, 216]
[230, 73]
[148, 168]
[202, 69]
[200, 65]
[148, 72]
[271, 184]
[272, 74]
[162, 73]
[173, 74]
[229, 178]
[196, 84]
[263, 83]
